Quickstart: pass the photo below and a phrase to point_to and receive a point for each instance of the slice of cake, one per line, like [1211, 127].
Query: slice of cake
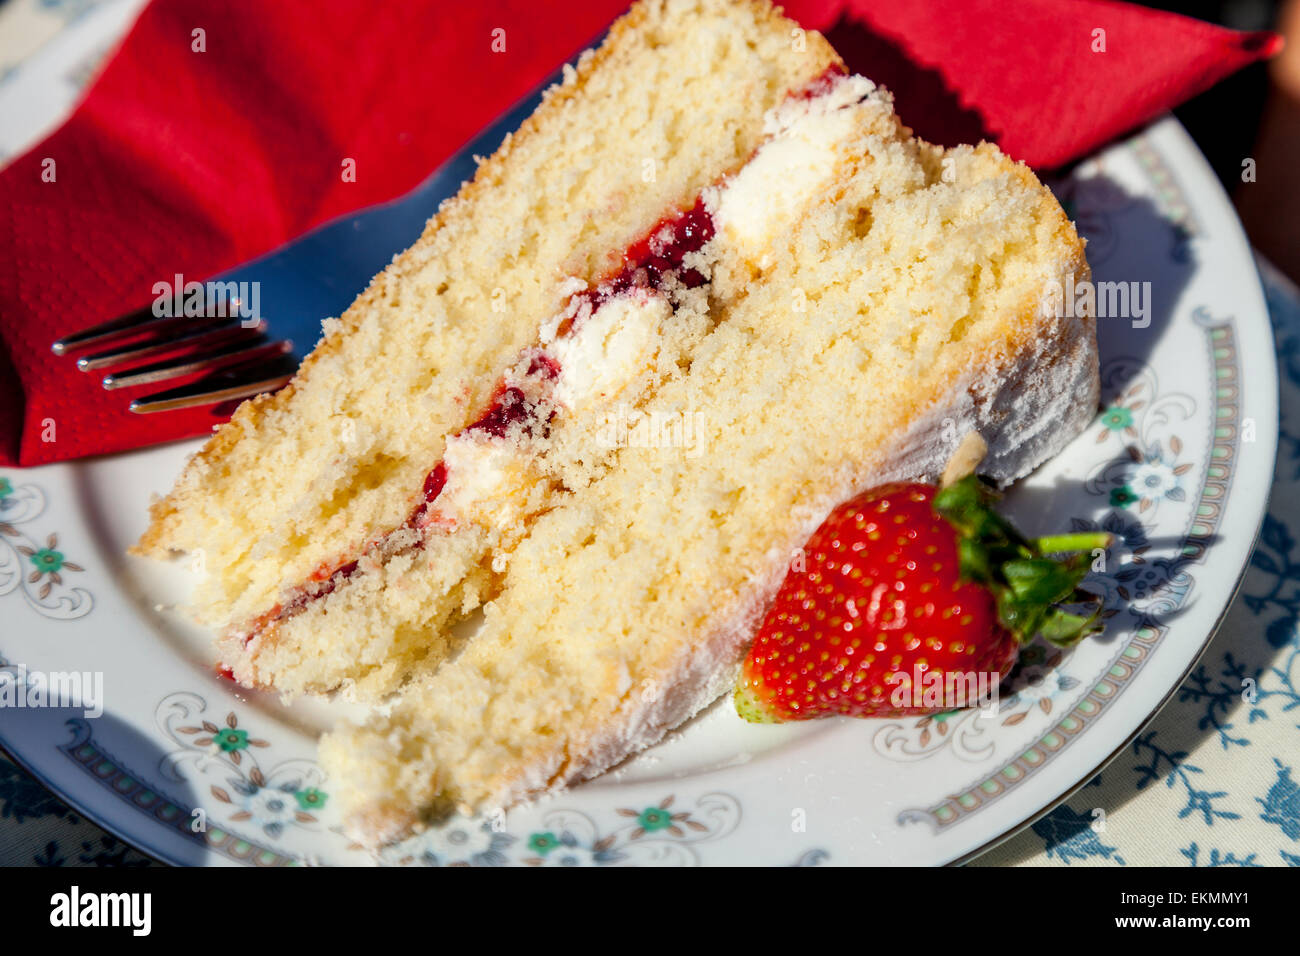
[901, 310]
[330, 476]
[619, 467]
[550, 427]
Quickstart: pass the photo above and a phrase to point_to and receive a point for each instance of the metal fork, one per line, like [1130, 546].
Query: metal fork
[315, 276]
[234, 356]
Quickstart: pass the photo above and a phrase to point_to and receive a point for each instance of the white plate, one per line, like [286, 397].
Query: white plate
[1195, 394]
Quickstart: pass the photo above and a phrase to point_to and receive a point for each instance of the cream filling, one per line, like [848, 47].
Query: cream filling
[609, 349]
[793, 165]
[484, 477]
[617, 340]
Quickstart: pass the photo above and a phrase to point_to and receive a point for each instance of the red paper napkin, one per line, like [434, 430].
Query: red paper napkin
[182, 160]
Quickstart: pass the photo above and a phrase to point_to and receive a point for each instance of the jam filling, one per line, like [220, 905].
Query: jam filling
[646, 265]
[823, 84]
[648, 261]
[663, 251]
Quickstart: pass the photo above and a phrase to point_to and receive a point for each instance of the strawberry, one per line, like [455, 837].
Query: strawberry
[910, 581]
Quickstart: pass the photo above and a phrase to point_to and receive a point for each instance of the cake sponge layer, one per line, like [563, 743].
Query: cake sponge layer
[301, 480]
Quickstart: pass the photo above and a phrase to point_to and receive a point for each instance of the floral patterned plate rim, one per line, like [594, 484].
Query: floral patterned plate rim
[1177, 466]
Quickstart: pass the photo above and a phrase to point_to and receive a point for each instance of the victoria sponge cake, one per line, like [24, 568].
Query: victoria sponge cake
[712, 288]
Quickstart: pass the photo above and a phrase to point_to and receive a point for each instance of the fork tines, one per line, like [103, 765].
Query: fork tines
[244, 360]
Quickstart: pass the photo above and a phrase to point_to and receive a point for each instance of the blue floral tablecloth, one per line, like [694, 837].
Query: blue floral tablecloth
[1210, 782]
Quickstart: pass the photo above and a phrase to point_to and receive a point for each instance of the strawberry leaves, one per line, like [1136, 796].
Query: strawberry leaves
[1034, 592]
